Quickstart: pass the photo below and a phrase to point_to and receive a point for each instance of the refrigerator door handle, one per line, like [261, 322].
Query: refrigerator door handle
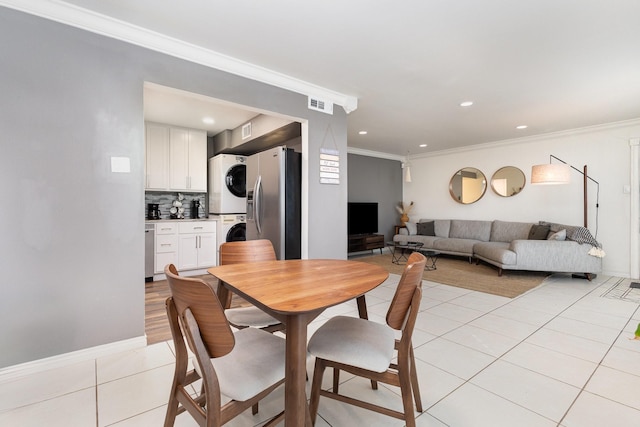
[257, 204]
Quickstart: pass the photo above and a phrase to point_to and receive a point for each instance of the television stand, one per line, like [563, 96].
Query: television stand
[365, 242]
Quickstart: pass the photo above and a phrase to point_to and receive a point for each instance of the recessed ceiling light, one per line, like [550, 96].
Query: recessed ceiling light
[422, 145]
[521, 127]
[208, 120]
[363, 132]
[466, 104]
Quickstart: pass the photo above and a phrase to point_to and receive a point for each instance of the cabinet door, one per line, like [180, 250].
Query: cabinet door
[162, 259]
[187, 252]
[197, 161]
[156, 157]
[207, 250]
[179, 159]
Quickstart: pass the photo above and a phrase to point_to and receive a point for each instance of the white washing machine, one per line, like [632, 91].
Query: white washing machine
[227, 184]
[229, 228]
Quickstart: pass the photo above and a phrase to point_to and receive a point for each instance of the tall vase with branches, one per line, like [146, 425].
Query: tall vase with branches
[404, 210]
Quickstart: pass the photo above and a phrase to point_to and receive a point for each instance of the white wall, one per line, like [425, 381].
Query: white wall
[604, 149]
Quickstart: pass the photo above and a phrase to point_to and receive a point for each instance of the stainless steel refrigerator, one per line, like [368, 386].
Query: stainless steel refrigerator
[273, 200]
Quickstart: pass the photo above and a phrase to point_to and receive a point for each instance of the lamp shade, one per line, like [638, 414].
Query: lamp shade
[551, 174]
[407, 173]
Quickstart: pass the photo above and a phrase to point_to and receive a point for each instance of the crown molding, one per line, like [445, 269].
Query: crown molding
[85, 19]
[532, 138]
[378, 154]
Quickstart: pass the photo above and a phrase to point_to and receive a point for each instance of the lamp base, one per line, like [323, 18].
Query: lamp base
[587, 276]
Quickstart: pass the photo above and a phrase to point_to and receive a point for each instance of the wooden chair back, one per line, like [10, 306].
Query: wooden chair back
[242, 252]
[247, 251]
[199, 297]
[411, 280]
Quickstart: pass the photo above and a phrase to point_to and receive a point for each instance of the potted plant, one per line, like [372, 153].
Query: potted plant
[404, 211]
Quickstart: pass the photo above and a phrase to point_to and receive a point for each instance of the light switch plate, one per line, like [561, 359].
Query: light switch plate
[120, 165]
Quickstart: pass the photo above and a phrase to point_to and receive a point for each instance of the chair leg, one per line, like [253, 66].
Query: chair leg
[414, 381]
[336, 379]
[172, 408]
[254, 408]
[316, 385]
[405, 389]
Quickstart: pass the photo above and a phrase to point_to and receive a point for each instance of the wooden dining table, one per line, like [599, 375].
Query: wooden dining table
[296, 292]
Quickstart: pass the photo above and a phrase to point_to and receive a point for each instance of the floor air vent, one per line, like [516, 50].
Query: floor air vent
[320, 105]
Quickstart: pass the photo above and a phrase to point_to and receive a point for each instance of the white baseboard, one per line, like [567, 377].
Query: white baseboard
[12, 372]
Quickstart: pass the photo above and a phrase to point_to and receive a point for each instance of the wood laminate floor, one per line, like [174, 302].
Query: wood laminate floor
[155, 320]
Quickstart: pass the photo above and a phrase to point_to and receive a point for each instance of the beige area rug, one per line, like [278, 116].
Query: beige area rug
[456, 271]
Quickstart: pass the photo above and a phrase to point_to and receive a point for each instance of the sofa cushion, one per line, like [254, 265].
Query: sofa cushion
[426, 228]
[496, 251]
[575, 233]
[469, 229]
[411, 228]
[538, 232]
[558, 235]
[506, 231]
[455, 246]
[442, 227]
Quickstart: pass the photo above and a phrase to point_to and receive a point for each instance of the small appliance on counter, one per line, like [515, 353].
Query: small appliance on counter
[195, 209]
[153, 211]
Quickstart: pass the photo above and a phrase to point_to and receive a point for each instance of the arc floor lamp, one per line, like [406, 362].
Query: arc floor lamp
[554, 173]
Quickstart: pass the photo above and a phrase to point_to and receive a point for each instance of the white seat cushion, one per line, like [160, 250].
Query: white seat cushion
[354, 341]
[255, 363]
[250, 316]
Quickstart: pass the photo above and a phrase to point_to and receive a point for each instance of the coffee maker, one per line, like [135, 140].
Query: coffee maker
[153, 211]
[195, 209]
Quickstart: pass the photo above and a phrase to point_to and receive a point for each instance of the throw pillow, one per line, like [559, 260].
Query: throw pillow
[426, 228]
[538, 232]
[411, 228]
[559, 235]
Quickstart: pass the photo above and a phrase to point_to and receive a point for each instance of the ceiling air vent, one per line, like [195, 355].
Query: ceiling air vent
[246, 131]
[320, 105]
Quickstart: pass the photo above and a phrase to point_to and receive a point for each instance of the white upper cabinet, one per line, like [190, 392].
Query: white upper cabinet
[198, 161]
[156, 157]
[176, 159]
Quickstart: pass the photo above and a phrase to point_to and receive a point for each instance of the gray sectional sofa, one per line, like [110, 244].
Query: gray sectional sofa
[510, 245]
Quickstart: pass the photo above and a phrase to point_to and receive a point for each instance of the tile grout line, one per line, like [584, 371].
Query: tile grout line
[597, 367]
[503, 354]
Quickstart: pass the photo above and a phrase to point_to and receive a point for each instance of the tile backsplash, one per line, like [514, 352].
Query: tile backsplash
[166, 199]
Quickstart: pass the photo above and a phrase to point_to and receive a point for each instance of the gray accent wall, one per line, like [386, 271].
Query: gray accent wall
[373, 179]
[72, 247]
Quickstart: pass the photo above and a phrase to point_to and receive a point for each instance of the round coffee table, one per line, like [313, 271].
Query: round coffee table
[432, 257]
[402, 250]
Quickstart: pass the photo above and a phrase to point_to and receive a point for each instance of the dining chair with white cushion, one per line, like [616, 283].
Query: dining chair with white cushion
[245, 366]
[365, 348]
[244, 252]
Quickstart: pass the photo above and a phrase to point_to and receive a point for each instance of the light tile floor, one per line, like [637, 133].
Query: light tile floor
[559, 355]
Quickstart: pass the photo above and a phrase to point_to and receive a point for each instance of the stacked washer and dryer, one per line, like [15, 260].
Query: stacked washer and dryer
[228, 197]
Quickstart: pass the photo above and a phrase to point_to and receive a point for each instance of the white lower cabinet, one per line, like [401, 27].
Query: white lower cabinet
[196, 245]
[189, 245]
[166, 245]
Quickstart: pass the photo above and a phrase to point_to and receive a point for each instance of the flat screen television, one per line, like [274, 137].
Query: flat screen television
[362, 218]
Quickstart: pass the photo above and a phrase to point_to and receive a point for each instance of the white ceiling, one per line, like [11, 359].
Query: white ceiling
[552, 65]
[180, 108]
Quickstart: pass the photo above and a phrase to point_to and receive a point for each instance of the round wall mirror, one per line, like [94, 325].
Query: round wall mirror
[467, 185]
[508, 181]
